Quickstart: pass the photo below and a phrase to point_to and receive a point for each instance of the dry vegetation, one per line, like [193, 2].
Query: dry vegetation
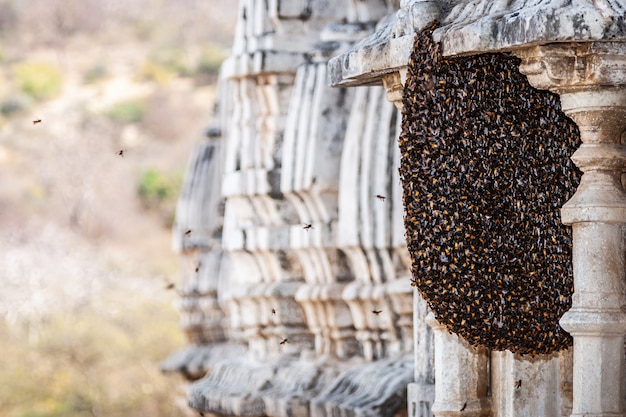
[84, 232]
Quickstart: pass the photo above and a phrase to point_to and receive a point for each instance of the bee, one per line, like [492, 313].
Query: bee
[170, 286]
[201, 413]
[380, 197]
[377, 312]
[188, 232]
[36, 121]
[518, 384]
[463, 408]
[273, 311]
[284, 341]
[307, 226]
[413, 282]
[121, 152]
[197, 267]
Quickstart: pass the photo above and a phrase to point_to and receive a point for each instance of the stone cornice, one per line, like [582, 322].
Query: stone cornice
[490, 25]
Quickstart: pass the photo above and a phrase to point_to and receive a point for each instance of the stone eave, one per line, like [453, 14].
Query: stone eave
[367, 64]
[386, 51]
[548, 22]
[467, 30]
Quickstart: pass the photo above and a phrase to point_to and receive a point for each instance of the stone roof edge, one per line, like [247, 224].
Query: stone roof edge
[474, 27]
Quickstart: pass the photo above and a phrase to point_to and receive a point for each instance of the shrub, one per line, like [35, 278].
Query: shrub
[153, 71]
[171, 60]
[209, 65]
[128, 111]
[95, 73]
[39, 80]
[13, 105]
[95, 363]
[158, 192]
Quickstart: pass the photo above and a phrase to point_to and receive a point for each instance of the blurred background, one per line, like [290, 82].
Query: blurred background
[86, 266]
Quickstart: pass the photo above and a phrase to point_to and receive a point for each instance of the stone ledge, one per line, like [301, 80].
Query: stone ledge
[288, 387]
[467, 29]
[366, 64]
[194, 361]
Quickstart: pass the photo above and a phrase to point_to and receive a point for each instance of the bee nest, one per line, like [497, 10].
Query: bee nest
[485, 169]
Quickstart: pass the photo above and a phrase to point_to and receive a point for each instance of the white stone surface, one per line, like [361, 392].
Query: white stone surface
[591, 83]
[461, 376]
[488, 25]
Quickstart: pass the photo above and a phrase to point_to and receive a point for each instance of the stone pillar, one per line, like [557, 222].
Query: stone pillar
[528, 386]
[461, 375]
[591, 78]
[421, 393]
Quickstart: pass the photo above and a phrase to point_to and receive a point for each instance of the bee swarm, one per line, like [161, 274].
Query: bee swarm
[485, 169]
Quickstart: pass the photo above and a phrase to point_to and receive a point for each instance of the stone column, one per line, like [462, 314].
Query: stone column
[421, 393]
[460, 378]
[461, 375]
[591, 79]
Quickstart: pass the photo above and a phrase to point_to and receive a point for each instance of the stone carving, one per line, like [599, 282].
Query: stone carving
[597, 213]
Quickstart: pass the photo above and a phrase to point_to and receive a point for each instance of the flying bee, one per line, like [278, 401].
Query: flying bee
[284, 341]
[170, 286]
[273, 311]
[377, 312]
[198, 268]
[188, 232]
[463, 408]
[380, 197]
[36, 121]
[518, 384]
[121, 153]
[307, 226]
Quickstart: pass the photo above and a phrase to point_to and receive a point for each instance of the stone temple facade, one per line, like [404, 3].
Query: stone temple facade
[296, 295]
